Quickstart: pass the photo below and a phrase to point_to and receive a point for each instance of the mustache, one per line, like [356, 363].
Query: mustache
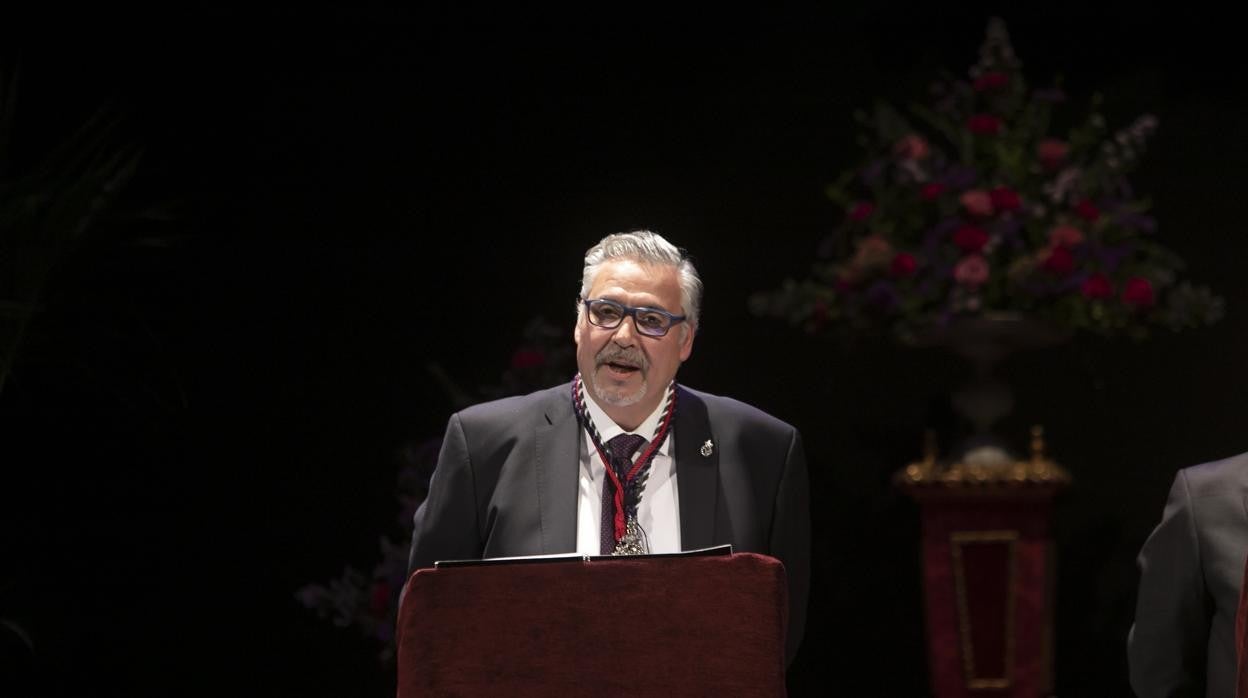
[626, 355]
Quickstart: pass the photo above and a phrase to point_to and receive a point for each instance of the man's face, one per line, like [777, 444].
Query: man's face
[625, 371]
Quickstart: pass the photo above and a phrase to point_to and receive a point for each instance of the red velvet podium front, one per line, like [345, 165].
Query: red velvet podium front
[710, 625]
[988, 572]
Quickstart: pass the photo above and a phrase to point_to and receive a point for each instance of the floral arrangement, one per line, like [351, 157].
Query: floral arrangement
[976, 204]
[369, 602]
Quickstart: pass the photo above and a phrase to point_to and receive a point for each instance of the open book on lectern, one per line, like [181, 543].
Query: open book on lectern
[581, 557]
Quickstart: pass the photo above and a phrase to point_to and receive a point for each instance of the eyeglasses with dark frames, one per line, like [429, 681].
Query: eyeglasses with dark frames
[651, 322]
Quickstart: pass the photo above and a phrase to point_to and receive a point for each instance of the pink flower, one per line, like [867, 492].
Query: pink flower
[971, 271]
[903, 265]
[912, 147]
[1138, 293]
[861, 210]
[991, 81]
[1066, 236]
[977, 202]
[1087, 211]
[1005, 199]
[931, 191]
[984, 124]
[1059, 261]
[1051, 152]
[1097, 286]
[970, 239]
[873, 252]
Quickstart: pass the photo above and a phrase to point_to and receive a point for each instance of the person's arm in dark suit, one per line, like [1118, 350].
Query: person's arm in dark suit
[1241, 639]
[790, 538]
[446, 525]
[1167, 646]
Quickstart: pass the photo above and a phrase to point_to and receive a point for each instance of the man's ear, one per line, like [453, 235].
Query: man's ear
[686, 342]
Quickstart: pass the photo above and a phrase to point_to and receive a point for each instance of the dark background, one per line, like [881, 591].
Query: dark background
[201, 427]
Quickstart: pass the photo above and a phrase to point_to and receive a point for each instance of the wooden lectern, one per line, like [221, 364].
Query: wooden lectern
[650, 625]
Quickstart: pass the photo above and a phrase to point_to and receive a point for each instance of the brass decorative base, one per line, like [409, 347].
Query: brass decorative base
[984, 466]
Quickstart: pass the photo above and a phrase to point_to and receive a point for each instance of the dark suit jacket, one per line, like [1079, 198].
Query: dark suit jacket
[507, 478]
[1241, 640]
[1191, 569]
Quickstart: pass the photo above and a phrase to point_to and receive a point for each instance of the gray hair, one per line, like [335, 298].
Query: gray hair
[649, 248]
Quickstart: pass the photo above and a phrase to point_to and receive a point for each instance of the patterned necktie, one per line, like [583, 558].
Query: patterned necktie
[620, 449]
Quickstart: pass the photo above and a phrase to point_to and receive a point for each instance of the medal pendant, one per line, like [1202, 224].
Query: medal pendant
[633, 542]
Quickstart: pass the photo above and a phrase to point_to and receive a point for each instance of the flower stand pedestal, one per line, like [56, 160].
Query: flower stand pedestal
[988, 571]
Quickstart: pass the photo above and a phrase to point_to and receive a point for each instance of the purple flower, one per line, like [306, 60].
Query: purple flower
[937, 234]
[1138, 221]
[1009, 229]
[1071, 283]
[960, 177]
[1111, 257]
[1049, 94]
[385, 631]
[882, 294]
[871, 173]
[927, 286]
[1109, 204]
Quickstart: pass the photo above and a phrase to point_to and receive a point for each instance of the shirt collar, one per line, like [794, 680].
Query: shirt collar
[608, 429]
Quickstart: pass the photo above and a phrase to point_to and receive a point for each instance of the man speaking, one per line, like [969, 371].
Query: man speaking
[623, 460]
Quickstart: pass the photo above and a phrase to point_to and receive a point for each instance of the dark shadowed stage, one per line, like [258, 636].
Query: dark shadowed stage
[208, 412]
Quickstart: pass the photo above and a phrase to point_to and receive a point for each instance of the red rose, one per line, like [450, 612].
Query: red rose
[861, 210]
[379, 600]
[1066, 236]
[1060, 261]
[527, 358]
[984, 124]
[1052, 152]
[1138, 292]
[903, 265]
[931, 190]
[1087, 211]
[1097, 286]
[991, 81]
[1005, 199]
[970, 239]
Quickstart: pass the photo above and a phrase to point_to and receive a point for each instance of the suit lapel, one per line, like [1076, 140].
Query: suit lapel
[1243, 491]
[697, 475]
[557, 465]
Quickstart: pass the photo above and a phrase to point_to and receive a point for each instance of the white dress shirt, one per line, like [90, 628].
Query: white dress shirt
[659, 510]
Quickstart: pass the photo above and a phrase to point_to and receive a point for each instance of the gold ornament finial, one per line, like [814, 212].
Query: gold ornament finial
[978, 470]
[1037, 442]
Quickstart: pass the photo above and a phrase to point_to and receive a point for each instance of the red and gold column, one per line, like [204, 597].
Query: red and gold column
[988, 570]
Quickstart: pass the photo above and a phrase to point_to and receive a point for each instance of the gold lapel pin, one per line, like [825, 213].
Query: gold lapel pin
[707, 448]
